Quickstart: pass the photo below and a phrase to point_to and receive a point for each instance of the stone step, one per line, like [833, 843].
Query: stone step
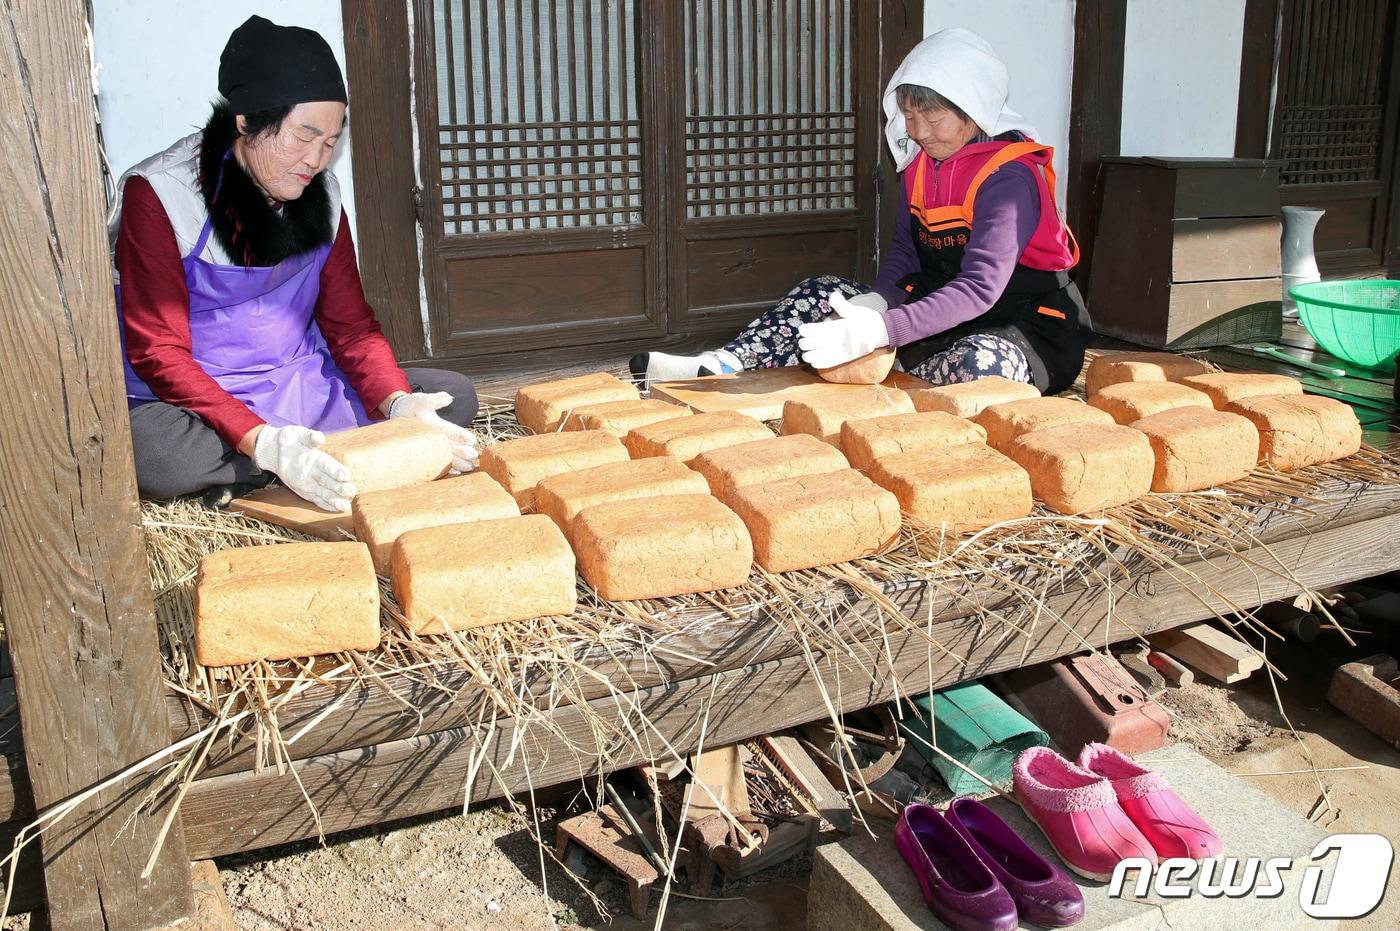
[862, 883]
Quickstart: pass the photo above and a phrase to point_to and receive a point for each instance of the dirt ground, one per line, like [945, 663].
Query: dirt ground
[480, 871]
[483, 870]
[1356, 785]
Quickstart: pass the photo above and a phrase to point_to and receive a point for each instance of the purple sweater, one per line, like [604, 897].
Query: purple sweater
[1008, 210]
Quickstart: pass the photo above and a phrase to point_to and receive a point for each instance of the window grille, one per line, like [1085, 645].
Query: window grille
[538, 117]
[769, 119]
[1334, 92]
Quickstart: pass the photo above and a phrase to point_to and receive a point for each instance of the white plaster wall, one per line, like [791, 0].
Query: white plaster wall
[158, 71]
[1036, 40]
[1181, 77]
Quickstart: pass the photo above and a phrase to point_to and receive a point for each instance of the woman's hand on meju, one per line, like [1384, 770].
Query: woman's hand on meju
[852, 331]
[295, 456]
[425, 407]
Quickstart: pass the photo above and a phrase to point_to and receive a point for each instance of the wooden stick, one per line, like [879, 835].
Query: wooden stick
[626, 815]
[1171, 670]
[1213, 652]
[1299, 772]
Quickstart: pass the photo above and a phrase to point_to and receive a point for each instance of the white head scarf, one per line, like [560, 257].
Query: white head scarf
[961, 66]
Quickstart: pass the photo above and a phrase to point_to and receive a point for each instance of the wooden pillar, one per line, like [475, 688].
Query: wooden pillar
[1095, 116]
[1258, 58]
[378, 49]
[901, 28]
[74, 592]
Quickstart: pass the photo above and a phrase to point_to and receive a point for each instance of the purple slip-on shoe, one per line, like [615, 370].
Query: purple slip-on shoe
[1043, 894]
[956, 884]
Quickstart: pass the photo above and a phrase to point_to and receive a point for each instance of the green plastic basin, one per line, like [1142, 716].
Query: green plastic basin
[1357, 321]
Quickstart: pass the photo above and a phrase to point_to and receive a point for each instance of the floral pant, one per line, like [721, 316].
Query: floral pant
[771, 340]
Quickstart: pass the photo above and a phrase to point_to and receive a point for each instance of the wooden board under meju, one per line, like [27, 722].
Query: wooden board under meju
[277, 505]
[760, 393]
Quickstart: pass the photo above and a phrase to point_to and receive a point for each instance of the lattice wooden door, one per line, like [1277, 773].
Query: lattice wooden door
[1335, 124]
[609, 170]
[780, 140]
[541, 220]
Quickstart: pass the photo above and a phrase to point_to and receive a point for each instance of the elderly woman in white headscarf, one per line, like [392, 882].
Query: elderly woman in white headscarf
[975, 280]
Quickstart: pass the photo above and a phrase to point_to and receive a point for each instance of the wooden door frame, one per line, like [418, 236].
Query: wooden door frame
[864, 226]
[1259, 57]
[650, 239]
[378, 50]
[1390, 243]
[1096, 116]
[901, 28]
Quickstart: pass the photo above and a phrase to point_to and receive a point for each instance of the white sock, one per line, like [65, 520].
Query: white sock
[659, 366]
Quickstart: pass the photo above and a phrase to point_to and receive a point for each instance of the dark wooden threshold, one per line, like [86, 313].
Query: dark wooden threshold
[500, 374]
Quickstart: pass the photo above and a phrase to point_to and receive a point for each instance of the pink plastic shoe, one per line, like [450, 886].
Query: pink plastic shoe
[1078, 812]
[1169, 824]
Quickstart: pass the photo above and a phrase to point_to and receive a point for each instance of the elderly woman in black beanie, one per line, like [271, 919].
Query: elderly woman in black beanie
[244, 323]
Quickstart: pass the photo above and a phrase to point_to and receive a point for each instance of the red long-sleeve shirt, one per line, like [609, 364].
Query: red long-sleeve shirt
[156, 320]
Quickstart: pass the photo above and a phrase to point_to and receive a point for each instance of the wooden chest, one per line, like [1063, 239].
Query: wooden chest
[1187, 251]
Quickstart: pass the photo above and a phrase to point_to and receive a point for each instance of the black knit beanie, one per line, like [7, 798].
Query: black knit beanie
[265, 65]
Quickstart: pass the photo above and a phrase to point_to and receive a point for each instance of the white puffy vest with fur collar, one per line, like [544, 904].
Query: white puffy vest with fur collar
[174, 176]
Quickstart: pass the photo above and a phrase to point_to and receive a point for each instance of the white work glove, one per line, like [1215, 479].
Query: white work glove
[852, 331]
[293, 453]
[425, 407]
[871, 299]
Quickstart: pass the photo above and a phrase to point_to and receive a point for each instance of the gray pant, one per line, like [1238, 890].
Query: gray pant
[177, 453]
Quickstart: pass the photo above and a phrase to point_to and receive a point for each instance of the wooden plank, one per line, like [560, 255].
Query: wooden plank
[759, 393]
[901, 28]
[377, 53]
[1225, 189]
[1212, 651]
[76, 603]
[1132, 252]
[789, 756]
[1344, 237]
[1392, 155]
[424, 773]
[722, 773]
[705, 643]
[276, 505]
[758, 269]
[1197, 304]
[496, 302]
[1219, 249]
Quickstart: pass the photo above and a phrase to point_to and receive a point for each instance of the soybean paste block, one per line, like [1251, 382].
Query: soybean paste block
[284, 601]
[817, 520]
[660, 547]
[541, 408]
[1301, 430]
[461, 576]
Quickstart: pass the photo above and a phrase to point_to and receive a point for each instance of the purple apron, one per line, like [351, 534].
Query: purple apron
[254, 331]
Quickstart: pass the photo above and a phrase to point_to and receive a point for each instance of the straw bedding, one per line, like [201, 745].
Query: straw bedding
[1002, 576]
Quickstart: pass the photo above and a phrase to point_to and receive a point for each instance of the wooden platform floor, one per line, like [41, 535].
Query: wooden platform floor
[363, 757]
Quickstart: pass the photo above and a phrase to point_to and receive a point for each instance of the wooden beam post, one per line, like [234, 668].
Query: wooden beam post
[377, 52]
[1258, 57]
[1095, 116]
[901, 28]
[74, 593]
